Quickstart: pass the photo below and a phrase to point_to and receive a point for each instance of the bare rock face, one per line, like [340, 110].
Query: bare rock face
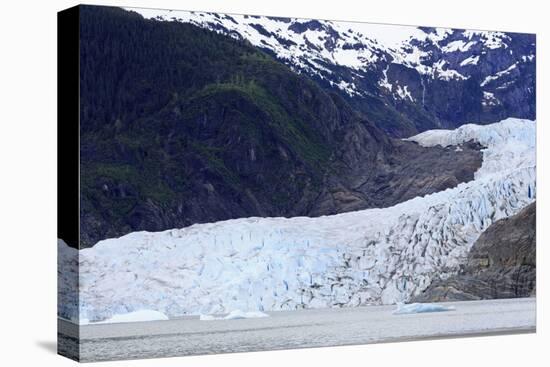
[501, 264]
[399, 172]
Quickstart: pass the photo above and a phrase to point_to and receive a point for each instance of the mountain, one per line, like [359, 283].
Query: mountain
[182, 125]
[373, 256]
[501, 264]
[405, 79]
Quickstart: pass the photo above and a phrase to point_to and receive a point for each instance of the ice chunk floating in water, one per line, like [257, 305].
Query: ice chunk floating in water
[136, 316]
[235, 315]
[403, 309]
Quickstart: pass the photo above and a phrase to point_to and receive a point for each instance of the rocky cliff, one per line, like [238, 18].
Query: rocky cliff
[501, 264]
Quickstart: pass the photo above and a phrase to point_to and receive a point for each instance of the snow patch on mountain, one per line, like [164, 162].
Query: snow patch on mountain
[472, 60]
[404, 93]
[374, 256]
[440, 70]
[491, 39]
[458, 45]
[307, 45]
[302, 43]
[489, 99]
[490, 78]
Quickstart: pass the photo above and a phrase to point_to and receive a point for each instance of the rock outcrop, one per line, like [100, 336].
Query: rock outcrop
[501, 264]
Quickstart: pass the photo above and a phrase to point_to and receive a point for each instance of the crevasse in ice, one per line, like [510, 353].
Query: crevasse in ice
[374, 256]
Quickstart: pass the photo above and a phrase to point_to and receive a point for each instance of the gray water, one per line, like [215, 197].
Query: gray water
[295, 329]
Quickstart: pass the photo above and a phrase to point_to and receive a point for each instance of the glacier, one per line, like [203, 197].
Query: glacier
[373, 256]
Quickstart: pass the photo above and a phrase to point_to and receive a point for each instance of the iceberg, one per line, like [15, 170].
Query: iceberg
[235, 315]
[403, 309]
[136, 316]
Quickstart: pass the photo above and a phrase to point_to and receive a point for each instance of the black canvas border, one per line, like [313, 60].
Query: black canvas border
[68, 152]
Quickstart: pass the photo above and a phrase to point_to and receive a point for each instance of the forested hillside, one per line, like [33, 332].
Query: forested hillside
[181, 125]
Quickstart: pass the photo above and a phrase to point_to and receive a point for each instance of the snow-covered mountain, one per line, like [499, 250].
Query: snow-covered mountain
[365, 257]
[435, 77]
